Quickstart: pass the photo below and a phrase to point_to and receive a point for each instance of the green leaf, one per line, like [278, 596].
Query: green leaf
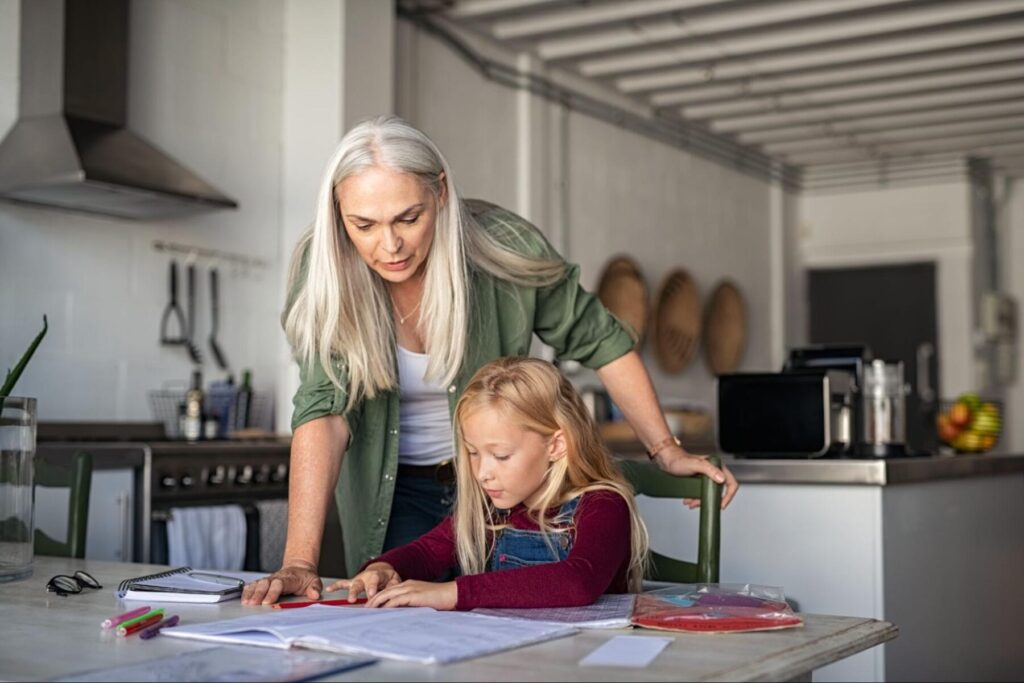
[13, 375]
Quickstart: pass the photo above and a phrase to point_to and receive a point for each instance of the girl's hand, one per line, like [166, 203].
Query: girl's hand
[296, 578]
[375, 578]
[677, 461]
[418, 594]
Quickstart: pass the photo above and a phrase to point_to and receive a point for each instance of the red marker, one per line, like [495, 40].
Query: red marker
[340, 603]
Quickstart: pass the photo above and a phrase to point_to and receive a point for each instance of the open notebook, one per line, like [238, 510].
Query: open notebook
[183, 585]
[415, 634]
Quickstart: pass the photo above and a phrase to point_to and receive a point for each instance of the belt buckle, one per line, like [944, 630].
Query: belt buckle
[437, 472]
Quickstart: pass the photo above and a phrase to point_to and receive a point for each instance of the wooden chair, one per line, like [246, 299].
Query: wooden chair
[649, 480]
[78, 479]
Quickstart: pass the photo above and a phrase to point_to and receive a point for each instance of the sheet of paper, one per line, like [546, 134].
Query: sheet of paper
[610, 611]
[229, 663]
[631, 651]
[412, 634]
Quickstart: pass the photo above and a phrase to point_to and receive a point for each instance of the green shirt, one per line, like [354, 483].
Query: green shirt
[505, 316]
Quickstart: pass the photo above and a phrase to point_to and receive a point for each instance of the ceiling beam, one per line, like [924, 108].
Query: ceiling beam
[763, 20]
[849, 94]
[952, 38]
[487, 9]
[1000, 124]
[970, 112]
[893, 105]
[814, 38]
[978, 145]
[878, 71]
[585, 17]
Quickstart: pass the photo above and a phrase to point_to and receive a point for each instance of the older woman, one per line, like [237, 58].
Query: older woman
[398, 294]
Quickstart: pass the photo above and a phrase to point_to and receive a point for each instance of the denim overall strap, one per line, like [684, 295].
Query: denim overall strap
[521, 548]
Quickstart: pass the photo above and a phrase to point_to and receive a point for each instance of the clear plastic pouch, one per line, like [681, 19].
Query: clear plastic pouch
[715, 608]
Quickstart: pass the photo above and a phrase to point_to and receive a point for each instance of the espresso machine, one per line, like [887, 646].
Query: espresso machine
[828, 400]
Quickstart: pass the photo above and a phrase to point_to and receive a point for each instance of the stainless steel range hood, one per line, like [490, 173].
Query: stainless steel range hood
[70, 147]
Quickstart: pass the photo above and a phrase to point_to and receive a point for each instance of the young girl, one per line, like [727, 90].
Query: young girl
[543, 517]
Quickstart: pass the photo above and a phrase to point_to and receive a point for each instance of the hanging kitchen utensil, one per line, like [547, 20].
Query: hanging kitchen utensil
[623, 292]
[218, 354]
[173, 310]
[725, 328]
[677, 322]
[193, 350]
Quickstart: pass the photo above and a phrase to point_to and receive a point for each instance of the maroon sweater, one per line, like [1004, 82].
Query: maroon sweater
[598, 562]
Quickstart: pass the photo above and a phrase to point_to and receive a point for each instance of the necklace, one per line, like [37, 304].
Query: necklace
[403, 318]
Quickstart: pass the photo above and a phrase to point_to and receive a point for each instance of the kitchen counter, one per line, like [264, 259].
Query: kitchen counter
[870, 472]
[846, 536]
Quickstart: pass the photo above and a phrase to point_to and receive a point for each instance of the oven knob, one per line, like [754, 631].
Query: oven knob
[216, 476]
[263, 476]
[168, 482]
[186, 481]
[279, 474]
[245, 476]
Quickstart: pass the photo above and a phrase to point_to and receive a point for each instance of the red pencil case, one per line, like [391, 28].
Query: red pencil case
[710, 608]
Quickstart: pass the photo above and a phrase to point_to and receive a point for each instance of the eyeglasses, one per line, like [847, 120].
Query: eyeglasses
[62, 584]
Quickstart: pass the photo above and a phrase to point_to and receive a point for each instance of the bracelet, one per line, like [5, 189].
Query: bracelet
[667, 441]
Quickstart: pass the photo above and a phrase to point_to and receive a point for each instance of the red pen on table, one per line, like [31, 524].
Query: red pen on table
[343, 602]
[121, 618]
[154, 630]
[124, 631]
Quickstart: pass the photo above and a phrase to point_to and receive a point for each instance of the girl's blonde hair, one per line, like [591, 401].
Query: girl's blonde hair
[340, 310]
[533, 394]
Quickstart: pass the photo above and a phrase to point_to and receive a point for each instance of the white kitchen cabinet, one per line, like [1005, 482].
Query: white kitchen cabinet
[941, 559]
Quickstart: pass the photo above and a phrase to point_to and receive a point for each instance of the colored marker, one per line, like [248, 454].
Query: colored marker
[121, 618]
[154, 630]
[147, 615]
[343, 602]
[137, 626]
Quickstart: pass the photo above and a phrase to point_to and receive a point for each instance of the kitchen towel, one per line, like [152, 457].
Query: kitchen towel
[273, 531]
[209, 537]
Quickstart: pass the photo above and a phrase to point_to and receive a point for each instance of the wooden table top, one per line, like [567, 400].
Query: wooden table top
[45, 636]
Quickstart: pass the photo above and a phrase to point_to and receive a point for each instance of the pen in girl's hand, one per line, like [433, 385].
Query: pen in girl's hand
[341, 603]
[154, 630]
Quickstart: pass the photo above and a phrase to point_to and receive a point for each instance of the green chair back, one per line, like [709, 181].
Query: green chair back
[649, 480]
[77, 478]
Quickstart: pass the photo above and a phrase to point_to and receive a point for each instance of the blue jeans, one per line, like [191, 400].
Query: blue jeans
[515, 548]
[419, 505]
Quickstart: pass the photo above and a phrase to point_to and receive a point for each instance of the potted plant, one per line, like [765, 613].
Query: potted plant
[17, 448]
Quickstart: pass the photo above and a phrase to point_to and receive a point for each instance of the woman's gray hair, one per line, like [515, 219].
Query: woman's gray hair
[340, 311]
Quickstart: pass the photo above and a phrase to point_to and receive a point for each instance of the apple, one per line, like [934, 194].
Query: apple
[960, 414]
[947, 430]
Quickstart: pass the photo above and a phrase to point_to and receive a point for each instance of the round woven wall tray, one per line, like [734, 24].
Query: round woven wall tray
[725, 328]
[623, 292]
[677, 321]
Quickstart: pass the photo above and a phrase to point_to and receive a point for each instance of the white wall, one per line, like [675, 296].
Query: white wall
[206, 86]
[617, 191]
[905, 224]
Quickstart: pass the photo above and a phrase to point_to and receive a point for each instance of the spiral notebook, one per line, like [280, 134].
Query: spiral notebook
[182, 585]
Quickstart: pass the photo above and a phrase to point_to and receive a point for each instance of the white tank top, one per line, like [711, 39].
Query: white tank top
[424, 423]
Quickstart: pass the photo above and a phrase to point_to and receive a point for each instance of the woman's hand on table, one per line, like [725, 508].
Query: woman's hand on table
[375, 578]
[294, 579]
[442, 596]
[677, 461]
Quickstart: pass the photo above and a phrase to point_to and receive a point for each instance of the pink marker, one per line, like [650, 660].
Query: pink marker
[121, 618]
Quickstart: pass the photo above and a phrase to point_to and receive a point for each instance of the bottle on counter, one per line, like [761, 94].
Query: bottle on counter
[243, 401]
[193, 430]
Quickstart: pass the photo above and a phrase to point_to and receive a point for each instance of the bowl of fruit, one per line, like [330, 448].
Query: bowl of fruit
[969, 424]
